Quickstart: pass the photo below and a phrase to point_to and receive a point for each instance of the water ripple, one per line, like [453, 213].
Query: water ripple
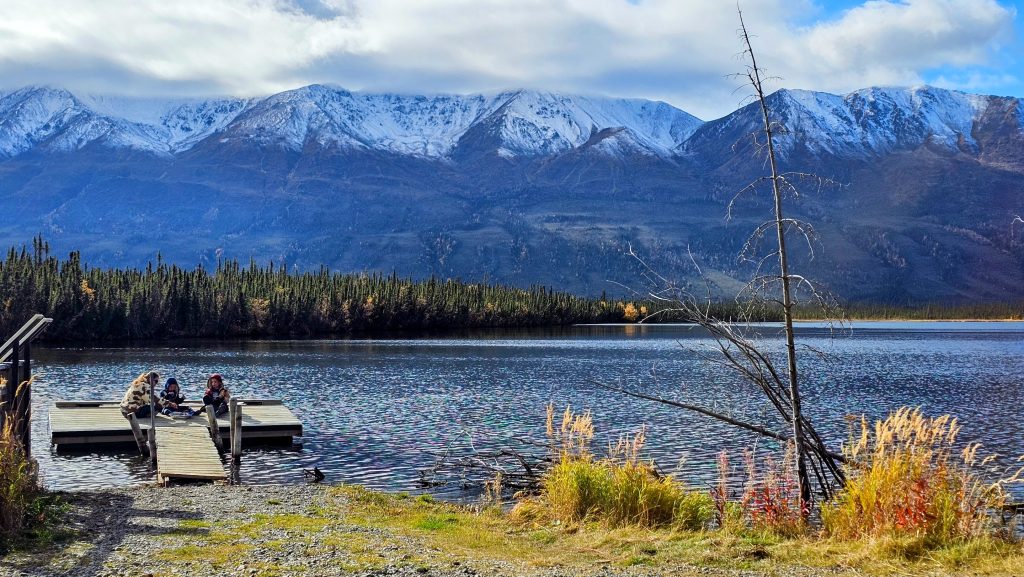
[373, 408]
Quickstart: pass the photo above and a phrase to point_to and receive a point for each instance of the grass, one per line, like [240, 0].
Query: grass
[223, 546]
[907, 481]
[369, 531]
[483, 535]
[28, 516]
[619, 490]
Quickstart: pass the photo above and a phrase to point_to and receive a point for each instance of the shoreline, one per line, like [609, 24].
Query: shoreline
[339, 530]
[903, 320]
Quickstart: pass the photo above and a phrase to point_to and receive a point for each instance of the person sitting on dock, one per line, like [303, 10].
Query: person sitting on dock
[216, 394]
[173, 400]
[137, 398]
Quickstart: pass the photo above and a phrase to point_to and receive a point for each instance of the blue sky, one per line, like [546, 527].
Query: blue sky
[678, 51]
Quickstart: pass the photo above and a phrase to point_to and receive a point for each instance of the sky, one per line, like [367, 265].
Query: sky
[683, 52]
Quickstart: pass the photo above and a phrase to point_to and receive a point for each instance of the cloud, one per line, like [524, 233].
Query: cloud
[884, 42]
[677, 51]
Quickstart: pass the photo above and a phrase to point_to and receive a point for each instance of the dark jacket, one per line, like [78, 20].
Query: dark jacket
[212, 397]
[168, 397]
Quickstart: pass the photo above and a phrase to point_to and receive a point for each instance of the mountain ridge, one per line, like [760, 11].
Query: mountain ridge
[524, 187]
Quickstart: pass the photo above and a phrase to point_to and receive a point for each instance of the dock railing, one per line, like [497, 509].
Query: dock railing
[16, 395]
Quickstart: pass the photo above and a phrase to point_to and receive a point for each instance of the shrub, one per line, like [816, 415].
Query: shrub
[19, 484]
[906, 479]
[771, 499]
[620, 489]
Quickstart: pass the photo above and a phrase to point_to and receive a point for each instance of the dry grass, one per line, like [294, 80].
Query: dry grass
[619, 490]
[19, 483]
[908, 481]
[771, 496]
[528, 539]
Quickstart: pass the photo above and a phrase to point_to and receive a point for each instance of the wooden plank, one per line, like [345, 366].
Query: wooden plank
[187, 453]
[73, 404]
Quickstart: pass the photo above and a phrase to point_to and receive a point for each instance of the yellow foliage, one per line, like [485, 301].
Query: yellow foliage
[574, 434]
[906, 479]
[87, 291]
[618, 490]
[630, 313]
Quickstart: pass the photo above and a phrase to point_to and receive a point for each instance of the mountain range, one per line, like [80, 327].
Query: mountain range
[913, 196]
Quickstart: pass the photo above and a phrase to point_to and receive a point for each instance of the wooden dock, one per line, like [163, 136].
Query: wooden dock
[187, 453]
[100, 422]
[184, 447]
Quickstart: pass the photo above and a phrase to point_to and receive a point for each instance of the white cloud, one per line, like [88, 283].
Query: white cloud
[884, 42]
[669, 49]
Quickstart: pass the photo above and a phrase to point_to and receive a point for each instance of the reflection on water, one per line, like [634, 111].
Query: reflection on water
[372, 407]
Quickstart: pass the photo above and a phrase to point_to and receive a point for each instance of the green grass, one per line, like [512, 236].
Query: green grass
[476, 535]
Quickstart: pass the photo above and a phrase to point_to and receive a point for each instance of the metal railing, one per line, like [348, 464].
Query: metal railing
[16, 360]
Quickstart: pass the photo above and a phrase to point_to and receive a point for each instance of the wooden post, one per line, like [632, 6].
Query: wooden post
[235, 414]
[3, 405]
[211, 418]
[152, 419]
[137, 431]
[25, 404]
[14, 381]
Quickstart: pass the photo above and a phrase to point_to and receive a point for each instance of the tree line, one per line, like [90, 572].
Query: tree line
[167, 301]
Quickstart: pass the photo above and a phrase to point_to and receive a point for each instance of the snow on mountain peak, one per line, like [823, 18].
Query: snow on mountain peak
[879, 119]
[532, 122]
[56, 119]
[516, 123]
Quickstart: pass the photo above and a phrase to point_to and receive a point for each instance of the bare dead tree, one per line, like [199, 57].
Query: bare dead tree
[773, 283]
[777, 182]
[739, 353]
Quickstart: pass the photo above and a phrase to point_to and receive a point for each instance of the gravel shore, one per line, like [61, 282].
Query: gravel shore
[269, 531]
[151, 532]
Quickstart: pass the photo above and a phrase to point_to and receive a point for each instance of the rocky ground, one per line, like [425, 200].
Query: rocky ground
[249, 531]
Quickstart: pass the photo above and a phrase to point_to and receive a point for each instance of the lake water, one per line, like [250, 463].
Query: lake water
[374, 410]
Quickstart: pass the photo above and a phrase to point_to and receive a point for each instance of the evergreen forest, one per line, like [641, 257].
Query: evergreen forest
[167, 301]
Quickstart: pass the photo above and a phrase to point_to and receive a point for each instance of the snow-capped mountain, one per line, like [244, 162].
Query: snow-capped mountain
[521, 123]
[862, 124]
[522, 187]
[57, 120]
[524, 123]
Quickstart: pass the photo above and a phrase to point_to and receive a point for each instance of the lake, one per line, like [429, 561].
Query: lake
[375, 410]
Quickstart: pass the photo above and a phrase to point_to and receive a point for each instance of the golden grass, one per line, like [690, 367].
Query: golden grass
[906, 480]
[619, 490]
[19, 484]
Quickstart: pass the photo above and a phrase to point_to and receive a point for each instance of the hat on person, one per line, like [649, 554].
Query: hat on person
[217, 376]
[170, 381]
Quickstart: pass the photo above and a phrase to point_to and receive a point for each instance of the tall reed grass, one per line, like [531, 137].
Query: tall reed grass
[907, 478]
[619, 489]
[19, 482]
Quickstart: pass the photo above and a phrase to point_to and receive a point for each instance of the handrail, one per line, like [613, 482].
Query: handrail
[24, 328]
[28, 331]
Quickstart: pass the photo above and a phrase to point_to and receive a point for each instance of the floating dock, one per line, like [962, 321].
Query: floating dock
[185, 449]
